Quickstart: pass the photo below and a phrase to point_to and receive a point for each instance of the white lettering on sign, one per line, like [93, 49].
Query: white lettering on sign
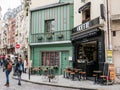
[83, 26]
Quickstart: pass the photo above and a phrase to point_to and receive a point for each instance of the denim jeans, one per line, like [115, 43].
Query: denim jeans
[7, 72]
[19, 76]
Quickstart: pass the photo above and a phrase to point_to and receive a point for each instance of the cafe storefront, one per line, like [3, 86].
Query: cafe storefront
[89, 48]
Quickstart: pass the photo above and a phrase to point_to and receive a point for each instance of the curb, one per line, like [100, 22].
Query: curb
[55, 85]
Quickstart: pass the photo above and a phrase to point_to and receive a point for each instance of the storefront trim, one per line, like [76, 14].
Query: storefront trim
[46, 43]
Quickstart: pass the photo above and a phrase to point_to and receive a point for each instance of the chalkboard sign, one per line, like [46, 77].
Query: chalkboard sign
[105, 69]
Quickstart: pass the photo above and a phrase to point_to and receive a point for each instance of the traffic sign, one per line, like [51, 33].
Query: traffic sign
[17, 46]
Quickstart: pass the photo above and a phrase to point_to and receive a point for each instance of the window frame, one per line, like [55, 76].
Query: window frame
[84, 14]
[50, 58]
[48, 25]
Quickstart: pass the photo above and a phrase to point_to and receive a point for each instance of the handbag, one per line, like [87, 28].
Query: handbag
[9, 66]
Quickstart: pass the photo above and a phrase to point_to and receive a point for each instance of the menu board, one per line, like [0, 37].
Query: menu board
[112, 71]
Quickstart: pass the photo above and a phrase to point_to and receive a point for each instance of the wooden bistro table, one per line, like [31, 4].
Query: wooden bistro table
[97, 72]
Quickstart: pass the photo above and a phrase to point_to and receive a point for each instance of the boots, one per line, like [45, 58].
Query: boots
[7, 84]
[19, 83]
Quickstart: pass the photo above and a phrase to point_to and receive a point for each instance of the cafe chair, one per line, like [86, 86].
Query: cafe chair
[72, 74]
[83, 75]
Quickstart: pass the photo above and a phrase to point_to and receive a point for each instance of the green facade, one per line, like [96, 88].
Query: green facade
[63, 16]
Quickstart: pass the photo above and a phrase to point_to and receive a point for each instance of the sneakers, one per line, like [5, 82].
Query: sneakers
[7, 85]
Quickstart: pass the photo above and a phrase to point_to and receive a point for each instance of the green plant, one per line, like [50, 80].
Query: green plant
[56, 67]
[39, 37]
[51, 76]
[49, 36]
[60, 35]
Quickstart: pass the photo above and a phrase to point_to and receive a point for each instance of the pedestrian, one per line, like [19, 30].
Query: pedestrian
[8, 68]
[19, 70]
[25, 65]
[14, 66]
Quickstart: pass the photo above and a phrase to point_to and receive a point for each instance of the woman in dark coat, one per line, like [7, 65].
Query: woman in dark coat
[19, 70]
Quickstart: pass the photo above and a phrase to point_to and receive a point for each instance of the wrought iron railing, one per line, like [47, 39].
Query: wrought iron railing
[51, 37]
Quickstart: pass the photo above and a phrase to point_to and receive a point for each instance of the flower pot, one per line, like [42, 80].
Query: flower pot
[51, 76]
[39, 38]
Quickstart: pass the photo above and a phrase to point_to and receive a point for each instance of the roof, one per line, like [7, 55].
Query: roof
[50, 6]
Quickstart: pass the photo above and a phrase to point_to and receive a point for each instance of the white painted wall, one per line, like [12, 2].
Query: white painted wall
[39, 3]
[95, 10]
[115, 7]
[115, 25]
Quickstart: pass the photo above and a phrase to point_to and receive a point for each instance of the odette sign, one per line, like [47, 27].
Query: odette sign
[17, 46]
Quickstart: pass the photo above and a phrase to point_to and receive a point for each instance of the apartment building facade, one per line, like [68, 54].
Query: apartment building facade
[21, 33]
[115, 31]
[50, 34]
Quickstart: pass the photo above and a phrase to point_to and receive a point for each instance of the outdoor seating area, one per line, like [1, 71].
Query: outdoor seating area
[105, 77]
[100, 77]
[48, 72]
[35, 70]
[74, 73]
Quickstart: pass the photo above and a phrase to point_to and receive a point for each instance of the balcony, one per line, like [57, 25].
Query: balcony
[51, 37]
[5, 46]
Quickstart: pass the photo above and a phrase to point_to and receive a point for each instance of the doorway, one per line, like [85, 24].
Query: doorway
[90, 53]
[64, 60]
[87, 57]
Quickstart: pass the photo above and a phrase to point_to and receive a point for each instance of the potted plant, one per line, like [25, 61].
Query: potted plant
[49, 36]
[60, 35]
[51, 76]
[39, 37]
[56, 67]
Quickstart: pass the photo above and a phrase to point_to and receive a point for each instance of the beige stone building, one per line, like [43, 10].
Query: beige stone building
[21, 33]
[115, 28]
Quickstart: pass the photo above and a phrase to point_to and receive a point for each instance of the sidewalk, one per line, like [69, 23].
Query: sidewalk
[62, 82]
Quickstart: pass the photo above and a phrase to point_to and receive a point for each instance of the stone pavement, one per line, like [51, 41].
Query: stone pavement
[63, 82]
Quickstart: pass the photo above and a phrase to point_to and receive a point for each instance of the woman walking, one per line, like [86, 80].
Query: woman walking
[8, 69]
[19, 70]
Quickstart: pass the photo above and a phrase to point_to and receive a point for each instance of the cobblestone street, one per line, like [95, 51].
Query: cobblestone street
[25, 85]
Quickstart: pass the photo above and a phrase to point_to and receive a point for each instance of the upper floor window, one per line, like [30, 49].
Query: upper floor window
[86, 15]
[85, 10]
[49, 26]
[114, 33]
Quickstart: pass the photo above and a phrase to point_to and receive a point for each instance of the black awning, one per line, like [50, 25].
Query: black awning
[86, 34]
[84, 7]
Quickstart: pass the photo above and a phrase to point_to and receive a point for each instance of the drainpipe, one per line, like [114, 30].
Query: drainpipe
[108, 25]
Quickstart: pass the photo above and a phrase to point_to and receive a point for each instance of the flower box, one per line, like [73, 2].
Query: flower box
[60, 35]
[55, 67]
[49, 36]
[39, 38]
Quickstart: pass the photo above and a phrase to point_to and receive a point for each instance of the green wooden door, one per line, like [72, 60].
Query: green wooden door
[64, 60]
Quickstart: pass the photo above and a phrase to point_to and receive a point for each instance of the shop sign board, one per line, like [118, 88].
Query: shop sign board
[86, 25]
[109, 53]
[109, 56]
